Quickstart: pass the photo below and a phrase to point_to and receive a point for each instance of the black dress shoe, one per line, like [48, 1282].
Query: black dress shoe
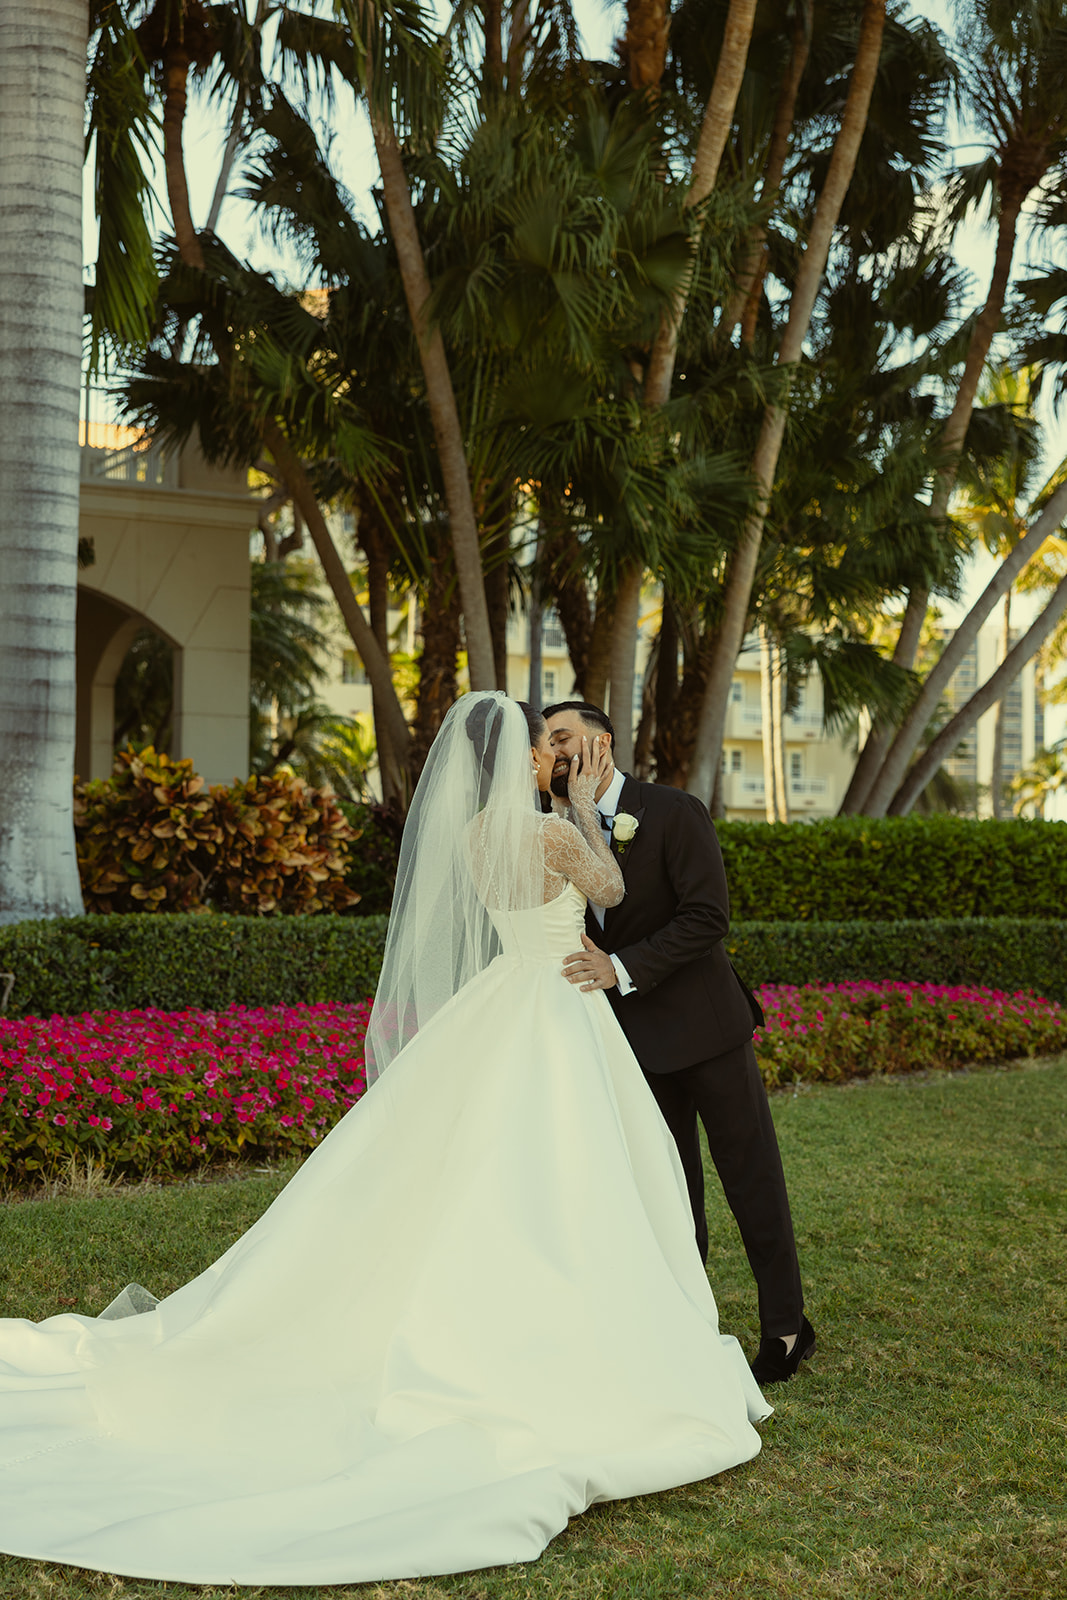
[773, 1365]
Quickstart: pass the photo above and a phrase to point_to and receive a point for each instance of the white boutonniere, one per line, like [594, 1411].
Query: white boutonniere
[623, 829]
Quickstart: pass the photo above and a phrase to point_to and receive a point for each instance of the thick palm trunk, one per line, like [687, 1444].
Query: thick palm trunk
[598, 662]
[375, 661]
[42, 100]
[442, 403]
[993, 690]
[936, 682]
[175, 95]
[621, 669]
[742, 567]
[1013, 192]
[743, 306]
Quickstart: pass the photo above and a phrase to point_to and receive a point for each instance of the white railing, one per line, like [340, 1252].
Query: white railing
[807, 785]
[114, 452]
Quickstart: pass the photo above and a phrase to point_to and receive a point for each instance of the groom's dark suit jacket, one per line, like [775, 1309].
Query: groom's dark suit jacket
[668, 933]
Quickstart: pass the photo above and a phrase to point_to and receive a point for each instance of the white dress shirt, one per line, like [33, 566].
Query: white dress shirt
[607, 805]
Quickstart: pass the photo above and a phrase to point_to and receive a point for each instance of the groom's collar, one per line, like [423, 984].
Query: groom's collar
[608, 803]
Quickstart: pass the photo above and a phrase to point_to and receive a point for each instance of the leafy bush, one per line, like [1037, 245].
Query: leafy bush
[151, 838]
[284, 848]
[163, 1092]
[148, 838]
[98, 963]
[852, 869]
[373, 856]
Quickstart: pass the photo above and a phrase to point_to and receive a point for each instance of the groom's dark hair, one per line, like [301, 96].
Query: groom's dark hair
[588, 712]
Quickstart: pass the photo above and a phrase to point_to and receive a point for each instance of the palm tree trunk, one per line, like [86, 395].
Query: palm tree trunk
[598, 664]
[881, 734]
[990, 692]
[714, 132]
[742, 567]
[996, 781]
[934, 685]
[536, 620]
[441, 398]
[770, 807]
[621, 667]
[175, 96]
[781, 789]
[892, 769]
[375, 660]
[743, 306]
[496, 595]
[375, 545]
[42, 102]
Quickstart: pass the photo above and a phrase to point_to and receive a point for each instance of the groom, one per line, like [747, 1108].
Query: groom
[688, 1017]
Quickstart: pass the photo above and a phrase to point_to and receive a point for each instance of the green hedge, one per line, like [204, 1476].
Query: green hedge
[1009, 953]
[850, 869]
[172, 962]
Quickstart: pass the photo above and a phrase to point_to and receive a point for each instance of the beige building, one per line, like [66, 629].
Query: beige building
[167, 542]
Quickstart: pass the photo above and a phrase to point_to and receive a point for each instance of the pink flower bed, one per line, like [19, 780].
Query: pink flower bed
[829, 1032]
[163, 1092]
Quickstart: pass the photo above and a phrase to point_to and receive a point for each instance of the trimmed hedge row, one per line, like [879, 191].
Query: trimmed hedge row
[853, 869]
[171, 962]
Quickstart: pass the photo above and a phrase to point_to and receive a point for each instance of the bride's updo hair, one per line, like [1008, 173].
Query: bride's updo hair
[483, 726]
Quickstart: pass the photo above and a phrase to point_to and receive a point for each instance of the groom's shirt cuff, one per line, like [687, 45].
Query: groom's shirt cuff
[625, 983]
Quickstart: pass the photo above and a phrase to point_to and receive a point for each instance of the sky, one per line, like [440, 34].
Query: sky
[353, 156]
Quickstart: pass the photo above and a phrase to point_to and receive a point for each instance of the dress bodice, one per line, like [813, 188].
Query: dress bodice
[543, 933]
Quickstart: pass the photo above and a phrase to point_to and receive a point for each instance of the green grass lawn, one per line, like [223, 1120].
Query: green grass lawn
[922, 1452]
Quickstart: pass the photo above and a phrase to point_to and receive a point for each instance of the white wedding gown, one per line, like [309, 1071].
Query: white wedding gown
[474, 1311]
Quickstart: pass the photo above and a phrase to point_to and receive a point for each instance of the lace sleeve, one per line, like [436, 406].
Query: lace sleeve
[591, 868]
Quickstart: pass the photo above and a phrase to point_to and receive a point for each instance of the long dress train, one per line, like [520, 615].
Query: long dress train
[474, 1311]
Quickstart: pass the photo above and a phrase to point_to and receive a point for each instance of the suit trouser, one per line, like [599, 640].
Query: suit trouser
[728, 1095]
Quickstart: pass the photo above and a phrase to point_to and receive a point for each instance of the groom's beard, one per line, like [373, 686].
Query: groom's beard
[561, 779]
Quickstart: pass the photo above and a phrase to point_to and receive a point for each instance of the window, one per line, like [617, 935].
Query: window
[737, 691]
[548, 681]
[552, 631]
[352, 668]
[736, 760]
[796, 766]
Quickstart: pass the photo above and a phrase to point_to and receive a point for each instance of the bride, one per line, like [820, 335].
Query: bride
[474, 1311]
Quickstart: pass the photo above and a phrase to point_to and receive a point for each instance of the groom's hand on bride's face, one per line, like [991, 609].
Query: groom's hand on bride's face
[590, 968]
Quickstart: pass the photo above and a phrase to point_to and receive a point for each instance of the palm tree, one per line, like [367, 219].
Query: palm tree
[1014, 85]
[42, 109]
[994, 490]
[1045, 776]
[743, 562]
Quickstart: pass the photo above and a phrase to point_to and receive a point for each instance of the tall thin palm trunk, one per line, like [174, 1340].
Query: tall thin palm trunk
[988, 695]
[1013, 191]
[781, 790]
[742, 567]
[999, 799]
[42, 106]
[743, 306]
[766, 678]
[441, 399]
